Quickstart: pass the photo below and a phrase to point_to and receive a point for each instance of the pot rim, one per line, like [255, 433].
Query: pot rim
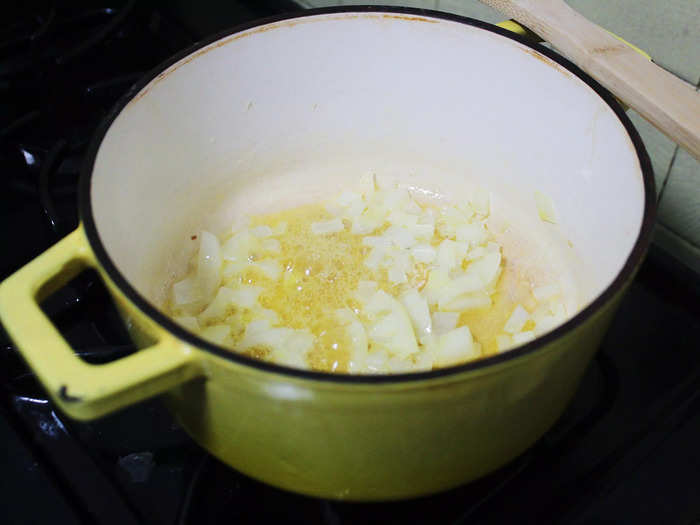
[631, 264]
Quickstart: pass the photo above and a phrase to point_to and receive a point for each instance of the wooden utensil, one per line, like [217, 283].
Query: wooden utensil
[669, 103]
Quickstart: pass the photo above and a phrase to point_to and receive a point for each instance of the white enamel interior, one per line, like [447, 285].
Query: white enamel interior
[297, 111]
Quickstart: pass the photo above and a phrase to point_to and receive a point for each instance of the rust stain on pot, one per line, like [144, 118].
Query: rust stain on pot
[263, 29]
[546, 60]
[412, 18]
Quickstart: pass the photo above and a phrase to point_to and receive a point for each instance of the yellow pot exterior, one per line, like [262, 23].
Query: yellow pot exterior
[383, 441]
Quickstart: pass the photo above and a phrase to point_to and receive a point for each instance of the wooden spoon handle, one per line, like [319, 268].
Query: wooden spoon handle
[669, 103]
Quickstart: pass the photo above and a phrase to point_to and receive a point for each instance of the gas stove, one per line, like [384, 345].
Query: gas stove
[625, 451]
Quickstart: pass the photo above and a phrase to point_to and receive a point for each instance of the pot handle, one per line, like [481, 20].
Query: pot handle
[84, 391]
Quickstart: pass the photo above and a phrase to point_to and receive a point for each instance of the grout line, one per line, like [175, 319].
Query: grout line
[668, 173]
[672, 231]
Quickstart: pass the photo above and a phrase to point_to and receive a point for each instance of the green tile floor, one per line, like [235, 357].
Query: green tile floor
[669, 31]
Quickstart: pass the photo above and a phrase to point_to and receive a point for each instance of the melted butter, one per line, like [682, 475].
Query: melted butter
[321, 273]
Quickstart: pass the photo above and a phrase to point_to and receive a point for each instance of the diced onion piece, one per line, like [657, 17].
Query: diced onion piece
[443, 322]
[396, 275]
[240, 246]
[271, 268]
[376, 362]
[504, 342]
[357, 361]
[220, 307]
[450, 254]
[294, 350]
[488, 268]
[418, 312]
[545, 207]
[455, 346]
[423, 253]
[209, 264]
[186, 292]
[325, 227]
[467, 283]
[396, 198]
[375, 257]
[467, 302]
[188, 322]
[481, 202]
[402, 218]
[423, 362]
[216, 334]
[392, 330]
[352, 203]
[231, 268]
[261, 231]
[365, 224]
[412, 206]
[246, 296]
[400, 236]
[438, 283]
[474, 233]
[376, 241]
[398, 365]
[517, 320]
[271, 245]
[523, 337]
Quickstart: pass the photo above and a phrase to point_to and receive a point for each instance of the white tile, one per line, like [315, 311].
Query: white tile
[472, 9]
[669, 30]
[677, 247]
[679, 208]
[424, 4]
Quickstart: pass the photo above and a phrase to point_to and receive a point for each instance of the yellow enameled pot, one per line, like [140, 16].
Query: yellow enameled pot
[293, 108]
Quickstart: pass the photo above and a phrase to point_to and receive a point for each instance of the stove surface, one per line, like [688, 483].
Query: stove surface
[624, 452]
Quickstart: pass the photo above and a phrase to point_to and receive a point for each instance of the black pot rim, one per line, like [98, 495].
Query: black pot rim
[631, 264]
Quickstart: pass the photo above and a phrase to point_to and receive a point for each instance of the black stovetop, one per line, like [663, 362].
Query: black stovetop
[626, 450]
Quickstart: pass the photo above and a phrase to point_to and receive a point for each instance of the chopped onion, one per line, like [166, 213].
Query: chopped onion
[474, 233]
[438, 283]
[418, 312]
[523, 337]
[504, 342]
[454, 347]
[188, 322]
[325, 227]
[423, 253]
[240, 246]
[271, 268]
[391, 329]
[467, 302]
[216, 334]
[220, 307]
[545, 207]
[443, 322]
[358, 340]
[517, 320]
[186, 292]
